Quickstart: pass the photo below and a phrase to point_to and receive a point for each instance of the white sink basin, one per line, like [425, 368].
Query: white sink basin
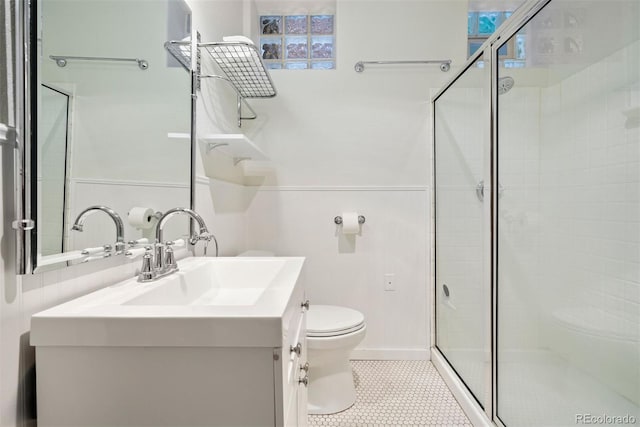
[226, 282]
[170, 294]
[208, 302]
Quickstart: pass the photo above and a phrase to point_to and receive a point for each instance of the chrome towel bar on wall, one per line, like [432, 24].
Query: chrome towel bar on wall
[445, 64]
[62, 60]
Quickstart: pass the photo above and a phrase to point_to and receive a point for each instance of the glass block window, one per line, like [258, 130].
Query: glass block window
[480, 25]
[298, 42]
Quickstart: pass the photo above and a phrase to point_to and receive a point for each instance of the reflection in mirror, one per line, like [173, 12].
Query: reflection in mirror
[103, 125]
[52, 170]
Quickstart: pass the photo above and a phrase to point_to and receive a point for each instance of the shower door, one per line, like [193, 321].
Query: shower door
[568, 220]
[537, 274]
[461, 206]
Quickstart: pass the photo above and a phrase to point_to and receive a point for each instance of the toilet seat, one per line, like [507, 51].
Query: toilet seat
[331, 321]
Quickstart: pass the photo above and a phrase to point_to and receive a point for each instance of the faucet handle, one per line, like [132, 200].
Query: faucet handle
[170, 259]
[147, 272]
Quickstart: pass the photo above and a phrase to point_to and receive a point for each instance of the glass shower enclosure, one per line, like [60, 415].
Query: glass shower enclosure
[537, 217]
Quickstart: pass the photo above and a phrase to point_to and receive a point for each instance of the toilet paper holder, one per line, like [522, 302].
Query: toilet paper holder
[338, 219]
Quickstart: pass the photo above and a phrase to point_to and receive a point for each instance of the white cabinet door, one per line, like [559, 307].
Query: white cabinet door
[303, 372]
[294, 358]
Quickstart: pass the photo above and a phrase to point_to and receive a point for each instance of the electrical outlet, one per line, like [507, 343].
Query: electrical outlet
[390, 282]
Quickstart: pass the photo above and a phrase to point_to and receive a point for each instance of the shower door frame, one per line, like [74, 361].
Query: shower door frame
[437, 355]
[487, 415]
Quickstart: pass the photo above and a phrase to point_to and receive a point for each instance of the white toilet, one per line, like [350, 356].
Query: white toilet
[332, 333]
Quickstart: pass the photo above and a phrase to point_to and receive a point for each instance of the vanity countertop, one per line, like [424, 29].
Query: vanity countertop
[209, 302]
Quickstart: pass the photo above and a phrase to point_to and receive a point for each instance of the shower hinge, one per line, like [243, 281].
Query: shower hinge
[8, 136]
[23, 224]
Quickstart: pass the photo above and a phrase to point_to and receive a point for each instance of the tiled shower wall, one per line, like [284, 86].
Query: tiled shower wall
[590, 211]
[590, 179]
[518, 213]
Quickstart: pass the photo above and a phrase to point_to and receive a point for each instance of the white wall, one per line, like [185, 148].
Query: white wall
[343, 141]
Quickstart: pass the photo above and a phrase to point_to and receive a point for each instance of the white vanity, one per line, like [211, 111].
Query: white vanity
[219, 343]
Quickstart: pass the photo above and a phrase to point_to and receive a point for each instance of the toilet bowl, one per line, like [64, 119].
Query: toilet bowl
[332, 333]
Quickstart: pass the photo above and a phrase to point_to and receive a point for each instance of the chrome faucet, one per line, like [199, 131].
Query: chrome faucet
[163, 261]
[78, 224]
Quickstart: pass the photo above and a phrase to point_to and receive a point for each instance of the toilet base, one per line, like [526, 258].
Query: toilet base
[331, 388]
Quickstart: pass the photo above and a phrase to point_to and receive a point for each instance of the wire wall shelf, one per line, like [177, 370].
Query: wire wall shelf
[242, 64]
[181, 51]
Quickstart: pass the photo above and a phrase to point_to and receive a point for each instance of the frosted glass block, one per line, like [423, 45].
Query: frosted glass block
[323, 65]
[271, 25]
[296, 24]
[296, 65]
[271, 47]
[487, 22]
[472, 23]
[473, 46]
[322, 24]
[322, 47]
[274, 65]
[296, 48]
[521, 46]
[514, 64]
[573, 45]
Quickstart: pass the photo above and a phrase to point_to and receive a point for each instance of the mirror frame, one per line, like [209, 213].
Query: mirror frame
[25, 153]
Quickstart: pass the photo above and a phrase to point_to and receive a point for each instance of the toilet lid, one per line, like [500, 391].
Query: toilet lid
[330, 320]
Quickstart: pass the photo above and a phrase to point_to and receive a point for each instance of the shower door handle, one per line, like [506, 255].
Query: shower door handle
[480, 190]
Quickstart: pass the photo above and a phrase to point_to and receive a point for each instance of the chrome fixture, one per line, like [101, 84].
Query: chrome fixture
[181, 50]
[62, 60]
[78, 224]
[480, 190]
[338, 220]
[162, 261]
[445, 64]
[297, 349]
[505, 84]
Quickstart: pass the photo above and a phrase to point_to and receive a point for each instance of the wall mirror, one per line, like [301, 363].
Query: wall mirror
[105, 98]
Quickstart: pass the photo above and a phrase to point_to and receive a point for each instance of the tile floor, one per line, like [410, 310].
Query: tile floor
[397, 393]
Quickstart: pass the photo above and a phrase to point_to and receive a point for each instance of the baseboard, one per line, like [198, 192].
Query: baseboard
[469, 405]
[390, 354]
